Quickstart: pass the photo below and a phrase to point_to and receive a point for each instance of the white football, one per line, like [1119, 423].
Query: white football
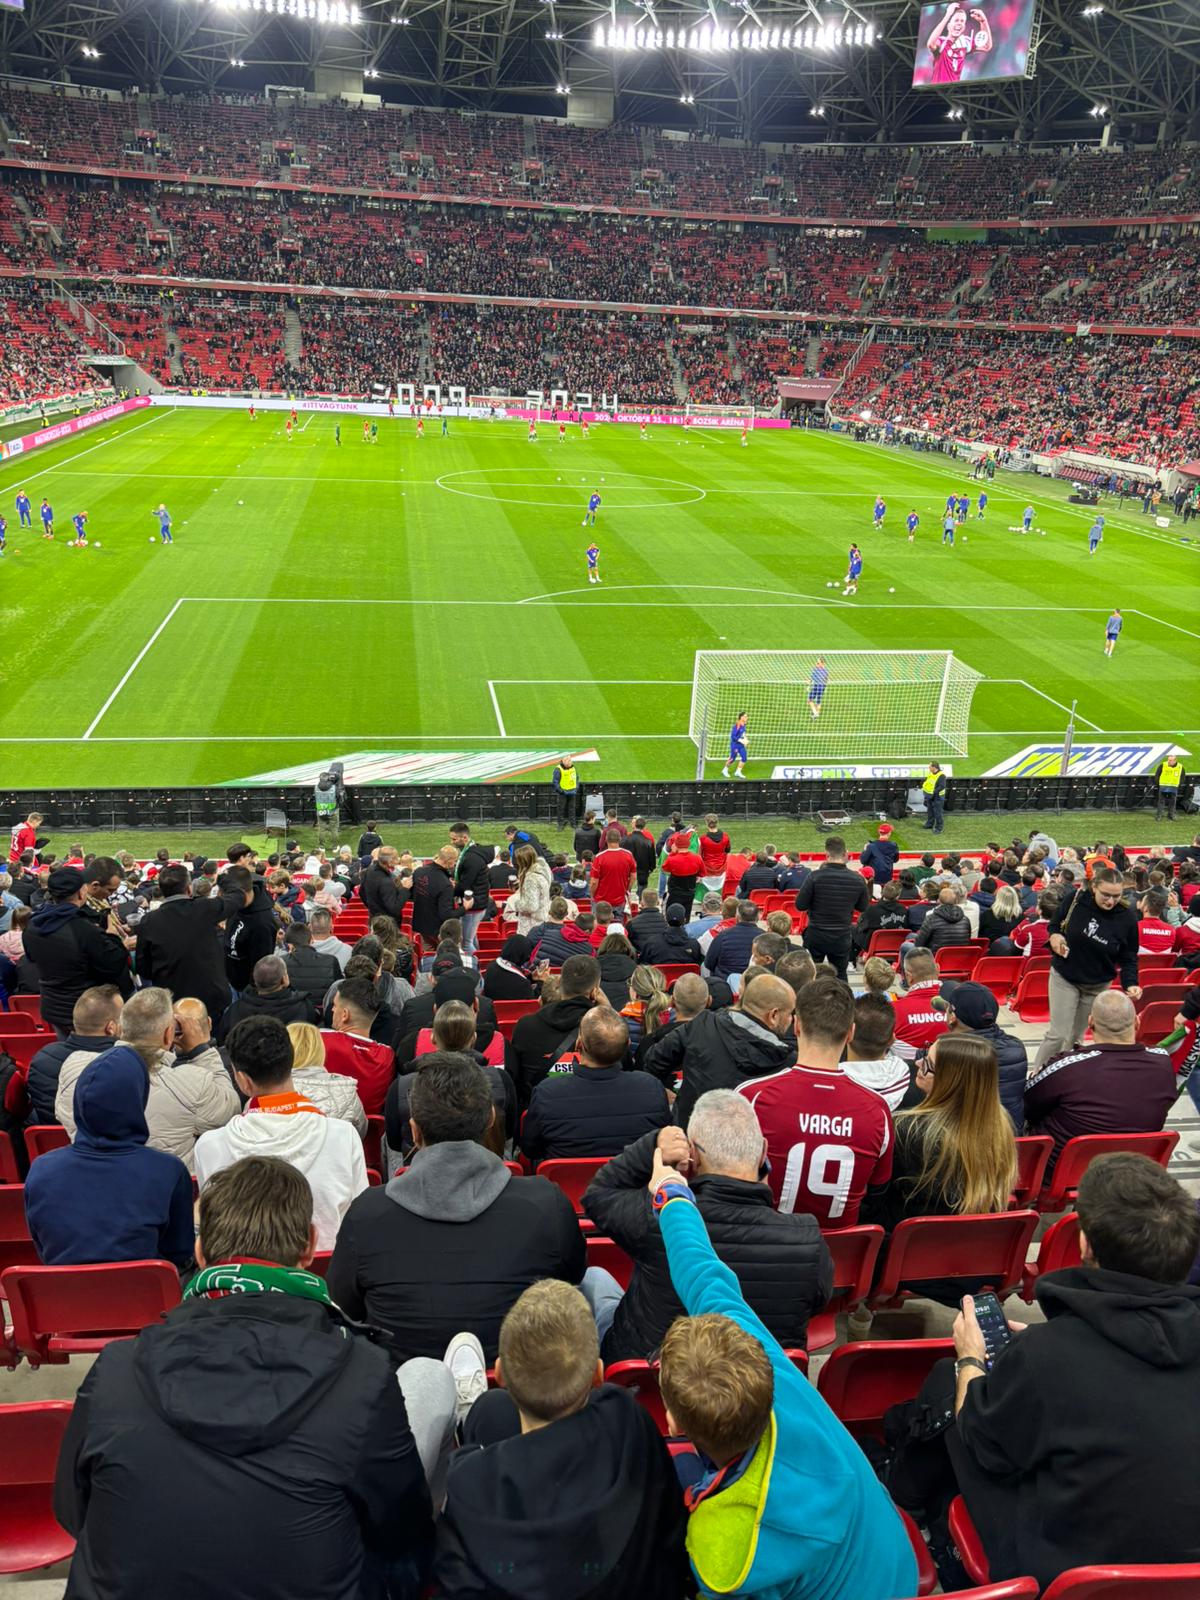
[153, 539]
[97, 544]
[241, 502]
[829, 585]
[891, 591]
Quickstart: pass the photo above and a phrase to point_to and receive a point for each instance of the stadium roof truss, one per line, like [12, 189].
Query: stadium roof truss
[1139, 60]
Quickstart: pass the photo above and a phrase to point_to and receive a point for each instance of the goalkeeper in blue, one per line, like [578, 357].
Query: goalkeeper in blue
[912, 522]
[737, 748]
[852, 571]
[880, 511]
[782, 1502]
[589, 516]
[818, 681]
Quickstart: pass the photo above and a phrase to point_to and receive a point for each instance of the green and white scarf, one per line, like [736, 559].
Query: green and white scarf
[252, 1277]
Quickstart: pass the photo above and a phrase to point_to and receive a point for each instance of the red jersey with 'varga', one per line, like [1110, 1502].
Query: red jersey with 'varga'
[828, 1139]
[917, 1023]
[371, 1065]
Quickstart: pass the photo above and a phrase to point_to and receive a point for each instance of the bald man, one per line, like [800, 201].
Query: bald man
[1114, 1086]
[724, 1049]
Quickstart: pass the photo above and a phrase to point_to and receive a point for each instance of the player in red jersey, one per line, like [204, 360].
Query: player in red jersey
[918, 1020]
[583, 426]
[829, 1139]
[532, 434]
[252, 412]
[745, 434]
[366, 430]
[295, 418]
[562, 432]
[289, 427]
[420, 427]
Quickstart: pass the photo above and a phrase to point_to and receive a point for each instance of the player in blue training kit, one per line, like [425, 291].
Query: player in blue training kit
[1027, 519]
[951, 503]
[948, 528]
[78, 520]
[593, 563]
[1112, 632]
[1095, 534]
[589, 516]
[47, 520]
[964, 506]
[912, 522]
[737, 747]
[3, 534]
[818, 680]
[982, 504]
[880, 511]
[164, 524]
[23, 509]
[852, 571]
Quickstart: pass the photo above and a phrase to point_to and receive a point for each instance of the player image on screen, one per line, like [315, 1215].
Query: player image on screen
[962, 43]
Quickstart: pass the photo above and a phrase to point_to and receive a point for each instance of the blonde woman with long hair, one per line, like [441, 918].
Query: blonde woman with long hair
[998, 920]
[331, 1092]
[529, 903]
[649, 1005]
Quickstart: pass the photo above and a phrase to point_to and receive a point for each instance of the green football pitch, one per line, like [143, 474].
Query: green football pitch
[429, 598]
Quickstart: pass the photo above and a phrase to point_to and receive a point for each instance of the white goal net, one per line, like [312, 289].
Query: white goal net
[869, 704]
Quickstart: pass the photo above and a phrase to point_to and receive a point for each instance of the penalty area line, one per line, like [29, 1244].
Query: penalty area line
[130, 670]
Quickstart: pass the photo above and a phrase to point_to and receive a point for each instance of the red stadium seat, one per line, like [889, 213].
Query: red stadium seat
[1032, 1000]
[855, 1252]
[1158, 993]
[991, 1247]
[1033, 1155]
[29, 1004]
[513, 1010]
[58, 1312]
[1158, 1020]
[22, 1047]
[642, 1378]
[957, 961]
[1078, 1154]
[887, 941]
[999, 974]
[30, 1439]
[1148, 964]
[672, 970]
[572, 1176]
[926, 1571]
[1006, 1589]
[16, 1247]
[606, 1253]
[10, 1172]
[43, 1136]
[967, 1541]
[320, 1262]
[1059, 1248]
[860, 1381]
[1176, 1582]
[17, 1022]
[1036, 964]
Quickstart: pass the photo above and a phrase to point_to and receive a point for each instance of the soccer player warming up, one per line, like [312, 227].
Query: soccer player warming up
[737, 748]
[1112, 632]
[288, 429]
[562, 432]
[948, 528]
[982, 505]
[1027, 519]
[78, 521]
[1095, 534]
[816, 686]
[589, 516]
[47, 520]
[420, 427]
[642, 429]
[24, 513]
[880, 511]
[3, 535]
[164, 524]
[593, 563]
[852, 571]
[531, 436]
[745, 435]
[583, 426]
[366, 430]
[912, 522]
[253, 414]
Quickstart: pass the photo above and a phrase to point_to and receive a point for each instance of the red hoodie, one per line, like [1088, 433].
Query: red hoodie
[714, 851]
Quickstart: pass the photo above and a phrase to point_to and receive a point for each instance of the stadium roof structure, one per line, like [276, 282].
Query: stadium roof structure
[1131, 65]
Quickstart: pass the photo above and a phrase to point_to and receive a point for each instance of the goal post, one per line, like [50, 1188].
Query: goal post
[875, 704]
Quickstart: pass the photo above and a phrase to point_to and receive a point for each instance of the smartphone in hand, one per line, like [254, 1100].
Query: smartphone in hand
[993, 1324]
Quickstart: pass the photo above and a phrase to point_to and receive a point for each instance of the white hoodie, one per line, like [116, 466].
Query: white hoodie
[889, 1078]
[327, 1151]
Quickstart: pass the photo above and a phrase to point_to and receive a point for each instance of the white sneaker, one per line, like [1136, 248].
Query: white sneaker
[464, 1357]
[724, 772]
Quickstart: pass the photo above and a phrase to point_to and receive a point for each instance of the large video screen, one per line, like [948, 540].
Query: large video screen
[12, 5]
[961, 43]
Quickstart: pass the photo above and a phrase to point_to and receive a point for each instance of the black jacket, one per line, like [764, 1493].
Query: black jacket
[585, 839]
[717, 1050]
[672, 945]
[254, 1412]
[537, 1039]
[1099, 943]
[381, 894]
[366, 843]
[879, 914]
[450, 1245]
[643, 852]
[42, 1081]
[284, 1004]
[249, 935]
[432, 896]
[180, 948]
[761, 875]
[781, 1260]
[1078, 1418]
[993, 927]
[641, 926]
[592, 1111]
[499, 983]
[586, 1509]
[72, 953]
[418, 1014]
[472, 873]
[729, 951]
[311, 974]
[616, 969]
[944, 926]
[831, 896]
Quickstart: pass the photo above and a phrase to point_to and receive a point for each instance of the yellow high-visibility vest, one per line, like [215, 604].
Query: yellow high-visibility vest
[568, 778]
[1170, 777]
[931, 782]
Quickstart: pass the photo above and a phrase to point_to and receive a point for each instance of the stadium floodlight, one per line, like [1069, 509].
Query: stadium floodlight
[712, 35]
[1092, 11]
[687, 99]
[1098, 111]
[331, 13]
[877, 705]
[817, 111]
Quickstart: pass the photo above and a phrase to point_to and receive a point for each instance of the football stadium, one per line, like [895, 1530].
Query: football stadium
[600, 948]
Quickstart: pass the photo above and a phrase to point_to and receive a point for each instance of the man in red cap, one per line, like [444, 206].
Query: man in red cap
[881, 855]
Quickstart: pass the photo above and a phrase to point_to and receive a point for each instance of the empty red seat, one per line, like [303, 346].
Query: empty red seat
[29, 1004]
[606, 1253]
[1159, 993]
[1078, 1154]
[926, 1571]
[672, 970]
[887, 941]
[957, 961]
[1033, 1155]
[22, 1047]
[30, 1439]
[988, 1246]
[1174, 1582]
[58, 1312]
[1059, 1247]
[43, 1136]
[16, 1022]
[1032, 1000]
[1158, 1020]
[572, 1176]
[16, 1246]
[999, 974]
[860, 1381]
[855, 1252]
[10, 1172]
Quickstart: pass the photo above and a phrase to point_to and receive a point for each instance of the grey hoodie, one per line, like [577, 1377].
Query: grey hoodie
[454, 1182]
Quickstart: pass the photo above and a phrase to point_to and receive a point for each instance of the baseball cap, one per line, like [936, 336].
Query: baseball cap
[458, 984]
[677, 914]
[64, 881]
[885, 830]
[974, 1005]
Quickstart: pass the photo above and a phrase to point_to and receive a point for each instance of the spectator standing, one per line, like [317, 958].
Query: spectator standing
[781, 1259]
[683, 866]
[825, 1175]
[279, 1121]
[432, 893]
[24, 838]
[722, 1049]
[573, 1492]
[95, 1025]
[107, 1196]
[382, 892]
[596, 1108]
[529, 903]
[568, 795]
[471, 882]
[934, 790]
[71, 951]
[639, 841]
[1115, 1086]
[1093, 937]
[452, 1242]
[831, 897]
[881, 855]
[349, 1047]
[256, 1384]
[250, 929]
[714, 849]
[1101, 1396]
[369, 840]
[614, 871]
[586, 836]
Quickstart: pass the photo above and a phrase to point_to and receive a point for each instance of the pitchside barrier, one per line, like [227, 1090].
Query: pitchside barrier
[489, 806]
